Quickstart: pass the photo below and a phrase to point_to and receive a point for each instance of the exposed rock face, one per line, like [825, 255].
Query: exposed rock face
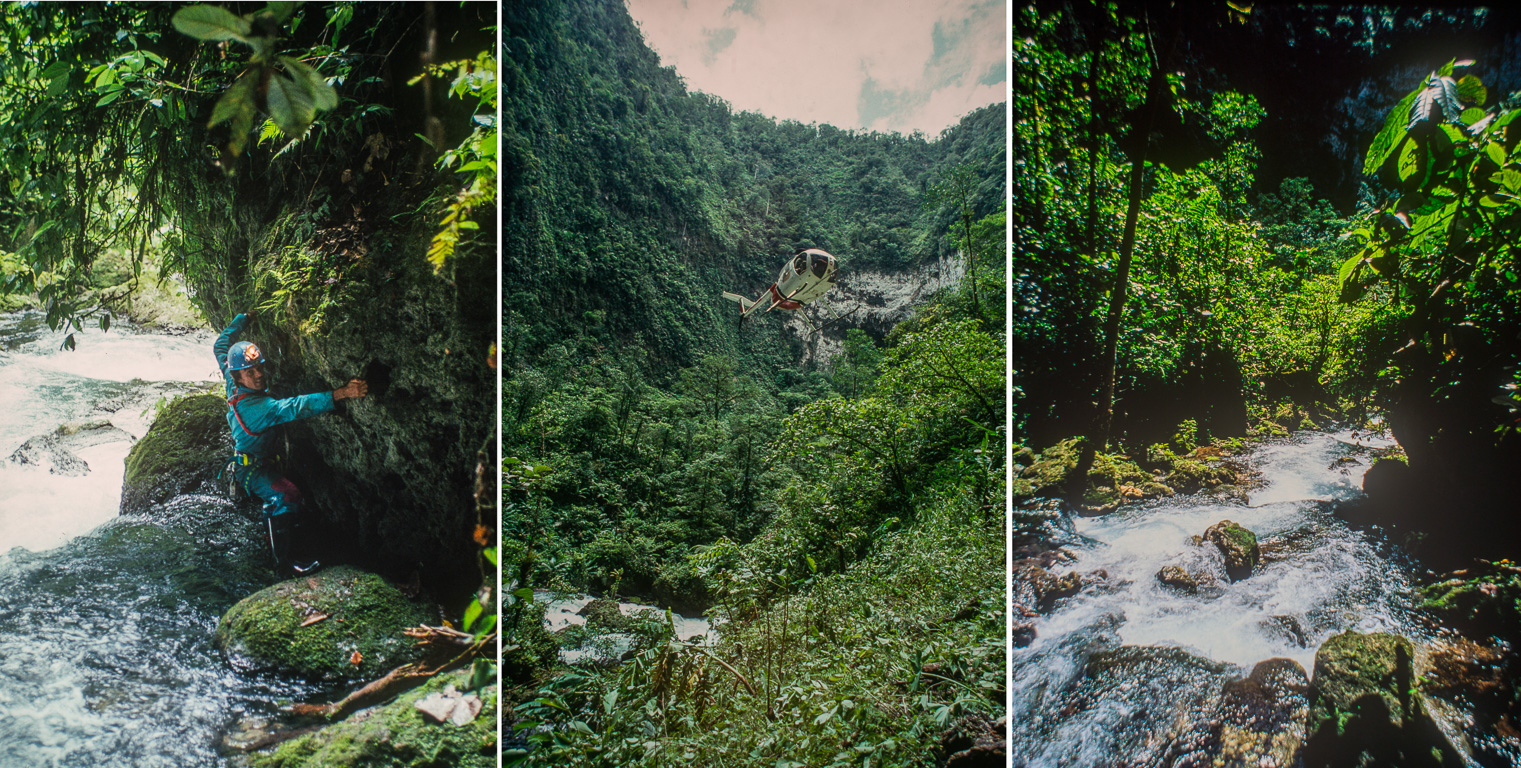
[44, 452]
[184, 450]
[1364, 708]
[1237, 545]
[313, 626]
[871, 301]
[398, 735]
[390, 478]
[1259, 722]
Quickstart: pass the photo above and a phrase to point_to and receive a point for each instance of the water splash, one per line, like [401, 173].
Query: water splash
[1317, 577]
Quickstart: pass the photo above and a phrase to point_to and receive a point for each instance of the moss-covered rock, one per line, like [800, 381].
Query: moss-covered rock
[1049, 472]
[1482, 600]
[1238, 545]
[184, 450]
[1189, 476]
[1365, 710]
[1178, 578]
[364, 614]
[397, 735]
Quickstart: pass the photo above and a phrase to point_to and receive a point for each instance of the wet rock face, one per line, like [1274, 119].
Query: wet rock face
[1364, 708]
[389, 480]
[398, 734]
[44, 452]
[1260, 721]
[1238, 545]
[183, 452]
[313, 627]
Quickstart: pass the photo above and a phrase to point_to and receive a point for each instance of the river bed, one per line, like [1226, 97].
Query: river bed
[1318, 577]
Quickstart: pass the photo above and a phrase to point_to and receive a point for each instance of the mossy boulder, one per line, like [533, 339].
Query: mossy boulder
[1238, 545]
[397, 735]
[184, 450]
[1365, 710]
[1189, 476]
[1048, 474]
[363, 614]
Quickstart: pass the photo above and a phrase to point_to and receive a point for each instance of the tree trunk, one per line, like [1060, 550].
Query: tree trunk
[1156, 86]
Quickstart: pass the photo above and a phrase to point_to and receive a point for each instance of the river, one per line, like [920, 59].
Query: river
[1318, 577]
[106, 621]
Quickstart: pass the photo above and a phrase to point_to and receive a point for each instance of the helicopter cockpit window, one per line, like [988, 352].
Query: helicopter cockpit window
[820, 266]
[800, 264]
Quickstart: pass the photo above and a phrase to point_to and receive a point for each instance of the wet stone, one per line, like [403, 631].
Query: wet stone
[1260, 721]
[1365, 710]
[1238, 545]
[1287, 628]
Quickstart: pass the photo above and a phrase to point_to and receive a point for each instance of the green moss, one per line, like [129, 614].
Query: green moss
[187, 446]
[1049, 472]
[364, 614]
[1188, 476]
[396, 735]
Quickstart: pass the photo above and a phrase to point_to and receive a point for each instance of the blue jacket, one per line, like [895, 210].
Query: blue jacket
[259, 412]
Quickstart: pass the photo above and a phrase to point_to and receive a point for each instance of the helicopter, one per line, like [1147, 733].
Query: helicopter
[804, 277]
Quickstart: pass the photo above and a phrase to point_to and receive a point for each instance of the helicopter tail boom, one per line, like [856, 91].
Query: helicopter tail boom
[746, 306]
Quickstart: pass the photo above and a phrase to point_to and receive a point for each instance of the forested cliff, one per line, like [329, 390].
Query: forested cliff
[835, 516]
[632, 203]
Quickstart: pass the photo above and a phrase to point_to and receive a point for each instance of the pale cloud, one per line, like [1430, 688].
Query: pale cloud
[886, 65]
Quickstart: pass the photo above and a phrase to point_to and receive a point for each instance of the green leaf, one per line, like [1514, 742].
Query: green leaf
[1348, 267]
[110, 97]
[1410, 159]
[1509, 179]
[323, 95]
[581, 727]
[1470, 116]
[1389, 136]
[609, 701]
[1471, 90]
[1495, 153]
[281, 11]
[472, 612]
[236, 100]
[210, 22]
[524, 593]
[290, 105]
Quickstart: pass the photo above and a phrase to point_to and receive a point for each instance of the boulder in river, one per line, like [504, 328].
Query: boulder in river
[1365, 709]
[399, 734]
[1238, 545]
[1259, 722]
[1176, 577]
[342, 623]
[183, 452]
[45, 452]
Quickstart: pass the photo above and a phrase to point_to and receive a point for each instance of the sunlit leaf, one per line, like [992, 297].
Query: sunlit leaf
[210, 22]
[1389, 136]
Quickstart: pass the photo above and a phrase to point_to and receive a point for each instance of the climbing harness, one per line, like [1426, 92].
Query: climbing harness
[233, 404]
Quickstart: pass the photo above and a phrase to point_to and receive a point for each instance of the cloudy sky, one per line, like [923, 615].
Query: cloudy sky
[883, 65]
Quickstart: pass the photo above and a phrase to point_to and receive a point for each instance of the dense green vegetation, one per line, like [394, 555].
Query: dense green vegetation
[839, 521]
[1150, 252]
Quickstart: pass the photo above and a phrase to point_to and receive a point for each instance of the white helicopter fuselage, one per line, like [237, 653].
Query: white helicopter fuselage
[806, 276]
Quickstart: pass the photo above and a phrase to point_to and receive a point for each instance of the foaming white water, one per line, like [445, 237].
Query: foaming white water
[1318, 577]
[121, 355]
[103, 379]
[40, 511]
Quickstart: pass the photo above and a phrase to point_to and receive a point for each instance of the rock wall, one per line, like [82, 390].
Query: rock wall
[388, 480]
[871, 301]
